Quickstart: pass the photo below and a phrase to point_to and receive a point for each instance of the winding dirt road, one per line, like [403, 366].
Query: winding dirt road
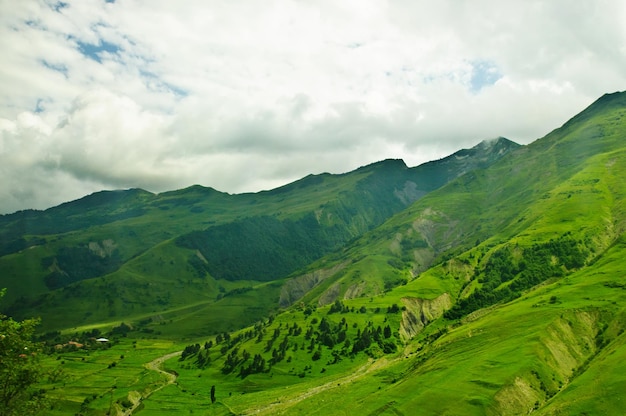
[155, 365]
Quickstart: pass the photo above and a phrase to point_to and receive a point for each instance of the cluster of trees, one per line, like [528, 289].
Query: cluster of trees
[378, 336]
[535, 265]
[189, 350]
[233, 359]
[292, 330]
[393, 281]
[339, 307]
[122, 329]
[257, 365]
[394, 309]
[342, 339]
[74, 264]
[267, 248]
[8, 246]
[203, 358]
[227, 342]
[327, 334]
[279, 353]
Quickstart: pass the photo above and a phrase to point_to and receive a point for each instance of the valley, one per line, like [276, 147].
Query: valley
[490, 282]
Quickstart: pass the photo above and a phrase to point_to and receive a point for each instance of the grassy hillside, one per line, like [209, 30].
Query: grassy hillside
[537, 352]
[132, 254]
[509, 291]
[558, 185]
[502, 292]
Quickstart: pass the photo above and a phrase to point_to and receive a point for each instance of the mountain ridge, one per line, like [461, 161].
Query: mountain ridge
[482, 193]
[499, 292]
[98, 197]
[327, 210]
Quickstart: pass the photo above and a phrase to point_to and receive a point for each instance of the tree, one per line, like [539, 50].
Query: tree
[19, 367]
[336, 307]
[387, 332]
[213, 394]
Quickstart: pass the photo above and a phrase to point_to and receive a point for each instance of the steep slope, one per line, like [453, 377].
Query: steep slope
[553, 215]
[501, 293]
[127, 253]
[566, 182]
[271, 247]
[511, 298]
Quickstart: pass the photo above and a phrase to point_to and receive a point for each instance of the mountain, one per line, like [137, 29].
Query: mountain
[488, 282]
[88, 260]
[514, 200]
[511, 287]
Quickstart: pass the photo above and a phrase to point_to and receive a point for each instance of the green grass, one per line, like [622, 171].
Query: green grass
[473, 369]
[90, 375]
[557, 348]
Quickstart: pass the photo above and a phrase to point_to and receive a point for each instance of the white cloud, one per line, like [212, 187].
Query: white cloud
[244, 96]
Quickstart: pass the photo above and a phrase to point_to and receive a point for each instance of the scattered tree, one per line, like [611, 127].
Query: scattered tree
[387, 331]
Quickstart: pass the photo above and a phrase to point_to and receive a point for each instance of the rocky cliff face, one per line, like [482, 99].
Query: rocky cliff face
[296, 288]
[419, 312]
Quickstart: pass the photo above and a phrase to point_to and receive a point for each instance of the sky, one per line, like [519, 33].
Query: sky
[245, 95]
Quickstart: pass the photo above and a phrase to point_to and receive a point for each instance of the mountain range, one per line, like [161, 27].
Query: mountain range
[498, 271]
[196, 244]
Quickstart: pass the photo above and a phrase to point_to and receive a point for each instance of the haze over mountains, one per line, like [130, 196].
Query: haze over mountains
[499, 271]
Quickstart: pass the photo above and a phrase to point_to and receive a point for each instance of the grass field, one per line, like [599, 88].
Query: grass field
[538, 351]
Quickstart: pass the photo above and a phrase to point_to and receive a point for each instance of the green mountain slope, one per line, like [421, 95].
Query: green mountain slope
[510, 298]
[132, 253]
[502, 292]
[567, 182]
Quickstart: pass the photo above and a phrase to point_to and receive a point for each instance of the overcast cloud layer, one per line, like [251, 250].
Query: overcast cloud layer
[249, 95]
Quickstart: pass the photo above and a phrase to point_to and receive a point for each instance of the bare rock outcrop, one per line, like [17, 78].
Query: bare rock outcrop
[419, 312]
[294, 289]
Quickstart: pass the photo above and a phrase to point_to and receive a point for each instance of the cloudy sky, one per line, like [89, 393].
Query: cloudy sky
[245, 95]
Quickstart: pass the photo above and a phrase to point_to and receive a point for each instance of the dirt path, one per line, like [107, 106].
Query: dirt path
[287, 402]
[155, 365]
